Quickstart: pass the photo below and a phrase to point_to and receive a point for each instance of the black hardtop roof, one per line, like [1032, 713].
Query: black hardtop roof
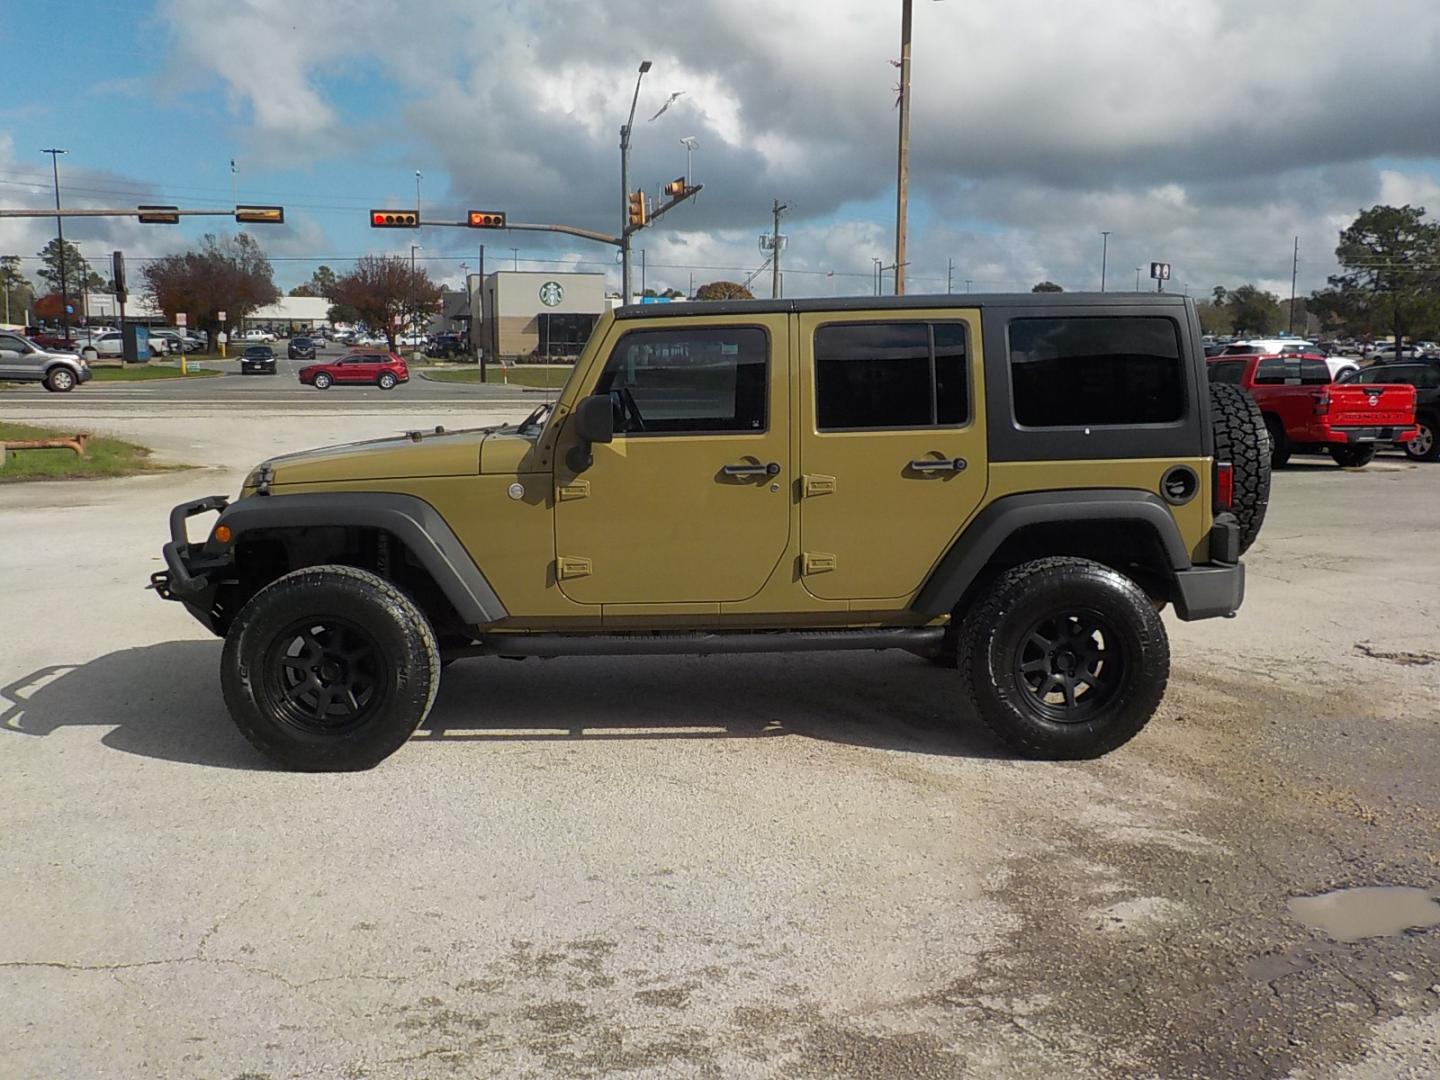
[901, 303]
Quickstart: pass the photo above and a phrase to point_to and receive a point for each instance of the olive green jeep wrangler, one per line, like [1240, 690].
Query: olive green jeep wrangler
[1014, 486]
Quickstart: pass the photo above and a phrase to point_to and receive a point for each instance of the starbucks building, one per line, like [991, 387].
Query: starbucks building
[524, 313]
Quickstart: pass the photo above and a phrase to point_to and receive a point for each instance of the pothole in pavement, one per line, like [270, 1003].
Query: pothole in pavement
[1372, 911]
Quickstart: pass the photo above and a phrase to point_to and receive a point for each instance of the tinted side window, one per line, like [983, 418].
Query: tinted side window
[1068, 372]
[689, 380]
[1228, 371]
[1314, 372]
[13, 343]
[890, 375]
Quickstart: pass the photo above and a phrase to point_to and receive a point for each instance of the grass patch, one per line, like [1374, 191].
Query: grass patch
[104, 457]
[147, 372]
[551, 378]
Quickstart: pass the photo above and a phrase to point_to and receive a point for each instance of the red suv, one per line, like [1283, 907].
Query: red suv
[373, 369]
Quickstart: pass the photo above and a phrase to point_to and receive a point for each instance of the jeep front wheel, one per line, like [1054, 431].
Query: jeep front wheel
[1064, 658]
[329, 669]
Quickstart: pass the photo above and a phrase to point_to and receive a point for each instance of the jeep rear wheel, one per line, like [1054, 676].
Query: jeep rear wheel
[1064, 658]
[1243, 437]
[329, 668]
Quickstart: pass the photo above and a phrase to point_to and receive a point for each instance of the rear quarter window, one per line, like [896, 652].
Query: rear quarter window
[1096, 371]
[1228, 371]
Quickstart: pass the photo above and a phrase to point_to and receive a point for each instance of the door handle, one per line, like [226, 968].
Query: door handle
[930, 465]
[772, 469]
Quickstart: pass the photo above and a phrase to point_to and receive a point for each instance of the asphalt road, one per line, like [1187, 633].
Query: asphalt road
[806, 866]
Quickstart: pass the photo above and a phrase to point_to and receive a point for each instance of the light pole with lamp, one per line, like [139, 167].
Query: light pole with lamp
[625, 187]
[60, 232]
[689, 142]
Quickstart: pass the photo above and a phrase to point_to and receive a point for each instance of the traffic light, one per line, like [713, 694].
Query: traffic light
[270, 215]
[637, 209]
[394, 219]
[486, 219]
[158, 215]
[676, 188]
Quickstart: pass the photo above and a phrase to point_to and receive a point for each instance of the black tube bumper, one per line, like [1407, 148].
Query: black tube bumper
[189, 569]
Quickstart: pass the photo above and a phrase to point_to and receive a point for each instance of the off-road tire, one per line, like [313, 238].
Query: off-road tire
[1243, 438]
[1426, 446]
[1353, 457]
[60, 380]
[998, 632]
[386, 381]
[362, 615]
[323, 381]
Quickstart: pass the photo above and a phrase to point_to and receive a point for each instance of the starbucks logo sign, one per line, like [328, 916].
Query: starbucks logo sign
[551, 294]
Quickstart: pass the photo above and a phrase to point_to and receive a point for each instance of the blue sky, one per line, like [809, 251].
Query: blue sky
[1034, 129]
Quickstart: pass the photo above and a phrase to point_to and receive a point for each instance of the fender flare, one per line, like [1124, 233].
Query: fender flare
[412, 521]
[967, 557]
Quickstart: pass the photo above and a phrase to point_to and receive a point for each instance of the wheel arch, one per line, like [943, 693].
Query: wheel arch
[276, 534]
[1130, 531]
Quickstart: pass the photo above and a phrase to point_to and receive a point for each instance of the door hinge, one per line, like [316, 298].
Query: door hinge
[571, 566]
[576, 489]
[819, 484]
[818, 562]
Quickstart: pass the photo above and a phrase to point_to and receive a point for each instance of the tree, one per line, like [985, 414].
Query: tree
[1047, 286]
[1251, 310]
[321, 283]
[1391, 274]
[229, 274]
[382, 287]
[78, 274]
[723, 290]
[16, 294]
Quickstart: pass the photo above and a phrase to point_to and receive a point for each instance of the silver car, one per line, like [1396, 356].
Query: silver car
[21, 360]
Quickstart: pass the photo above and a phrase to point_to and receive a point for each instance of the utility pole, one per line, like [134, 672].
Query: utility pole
[515, 255]
[485, 342]
[1294, 273]
[1104, 253]
[776, 210]
[60, 232]
[967, 284]
[625, 189]
[950, 277]
[1137, 279]
[902, 172]
[642, 271]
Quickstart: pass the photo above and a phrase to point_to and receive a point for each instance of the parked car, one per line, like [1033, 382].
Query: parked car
[1424, 375]
[103, 346]
[257, 360]
[1339, 365]
[22, 360]
[1306, 411]
[444, 346]
[384, 370]
[301, 348]
[258, 336]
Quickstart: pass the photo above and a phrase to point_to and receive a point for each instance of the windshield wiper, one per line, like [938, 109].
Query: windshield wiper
[537, 417]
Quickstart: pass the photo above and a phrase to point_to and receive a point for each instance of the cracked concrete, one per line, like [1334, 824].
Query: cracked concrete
[770, 866]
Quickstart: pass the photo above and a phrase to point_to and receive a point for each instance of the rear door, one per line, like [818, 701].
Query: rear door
[892, 447]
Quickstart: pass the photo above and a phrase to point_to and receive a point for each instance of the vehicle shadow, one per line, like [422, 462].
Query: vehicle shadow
[163, 701]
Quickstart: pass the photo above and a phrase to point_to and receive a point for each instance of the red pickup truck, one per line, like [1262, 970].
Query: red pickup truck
[1306, 412]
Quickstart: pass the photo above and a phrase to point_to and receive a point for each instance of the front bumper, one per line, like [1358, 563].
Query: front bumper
[192, 570]
[84, 375]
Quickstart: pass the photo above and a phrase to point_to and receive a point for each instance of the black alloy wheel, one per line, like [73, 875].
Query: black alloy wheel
[1071, 665]
[323, 676]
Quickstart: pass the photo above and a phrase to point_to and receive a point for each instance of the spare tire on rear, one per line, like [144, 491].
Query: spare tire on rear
[1242, 439]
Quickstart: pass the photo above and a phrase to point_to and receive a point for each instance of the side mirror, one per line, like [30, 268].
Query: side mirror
[595, 419]
[594, 423]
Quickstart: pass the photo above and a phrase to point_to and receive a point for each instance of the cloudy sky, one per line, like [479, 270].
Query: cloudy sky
[1208, 134]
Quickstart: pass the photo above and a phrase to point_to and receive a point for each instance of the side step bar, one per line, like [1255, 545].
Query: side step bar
[923, 639]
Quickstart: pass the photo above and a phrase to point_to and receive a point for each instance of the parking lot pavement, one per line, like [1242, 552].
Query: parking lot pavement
[733, 866]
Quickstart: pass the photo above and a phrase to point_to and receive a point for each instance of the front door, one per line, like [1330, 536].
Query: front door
[892, 449]
[12, 355]
[689, 504]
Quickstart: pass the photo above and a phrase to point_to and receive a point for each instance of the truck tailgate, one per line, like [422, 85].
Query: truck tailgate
[1371, 405]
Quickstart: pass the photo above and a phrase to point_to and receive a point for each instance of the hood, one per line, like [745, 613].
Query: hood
[415, 454]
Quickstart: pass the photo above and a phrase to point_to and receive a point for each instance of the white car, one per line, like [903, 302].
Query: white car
[264, 337]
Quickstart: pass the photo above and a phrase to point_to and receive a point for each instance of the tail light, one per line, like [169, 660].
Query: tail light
[1322, 403]
[1224, 486]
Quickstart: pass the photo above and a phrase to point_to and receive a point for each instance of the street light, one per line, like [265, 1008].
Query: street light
[689, 142]
[60, 232]
[625, 187]
[417, 194]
